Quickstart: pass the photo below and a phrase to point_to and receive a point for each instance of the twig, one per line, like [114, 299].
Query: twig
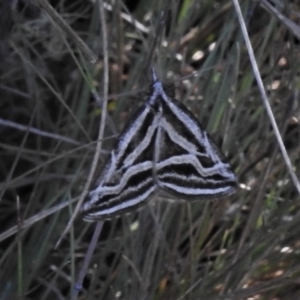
[265, 98]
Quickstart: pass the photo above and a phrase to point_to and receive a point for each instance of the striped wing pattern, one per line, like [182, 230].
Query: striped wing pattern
[163, 147]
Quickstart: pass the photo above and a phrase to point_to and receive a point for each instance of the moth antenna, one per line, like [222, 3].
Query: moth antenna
[154, 76]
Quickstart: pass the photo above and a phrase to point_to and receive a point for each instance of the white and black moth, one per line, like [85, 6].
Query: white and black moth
[162, 148]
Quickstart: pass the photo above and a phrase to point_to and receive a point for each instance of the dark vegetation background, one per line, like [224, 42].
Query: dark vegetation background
[243, 247]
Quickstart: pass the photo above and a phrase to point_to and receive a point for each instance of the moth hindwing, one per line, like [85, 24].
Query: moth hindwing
[162, 148]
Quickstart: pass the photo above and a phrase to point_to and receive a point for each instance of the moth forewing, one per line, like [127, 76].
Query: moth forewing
[126, 180]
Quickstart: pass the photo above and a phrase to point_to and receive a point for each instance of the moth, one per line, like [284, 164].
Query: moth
[163, 148]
